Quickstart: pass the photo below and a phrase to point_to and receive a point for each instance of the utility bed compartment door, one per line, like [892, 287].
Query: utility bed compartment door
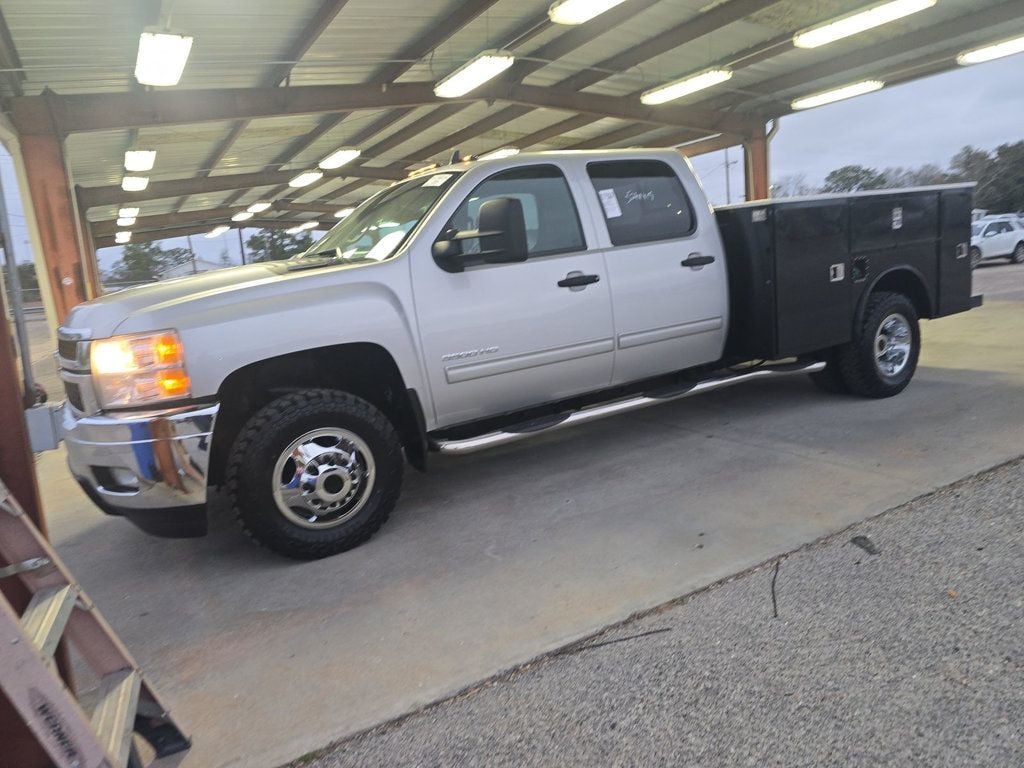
[814, 302]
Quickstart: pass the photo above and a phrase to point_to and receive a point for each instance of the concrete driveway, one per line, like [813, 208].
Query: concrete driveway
[493, 559]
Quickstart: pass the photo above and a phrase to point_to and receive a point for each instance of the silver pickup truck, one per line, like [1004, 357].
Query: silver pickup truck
[479, 304]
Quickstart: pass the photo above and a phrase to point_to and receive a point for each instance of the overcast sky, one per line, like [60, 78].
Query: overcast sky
[926, 121]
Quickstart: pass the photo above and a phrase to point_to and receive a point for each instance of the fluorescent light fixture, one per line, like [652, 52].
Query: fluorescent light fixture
[122, 237]
[242, 216]
[128, 213]
[684, 87]
[134, 183]
[161, 58]
[474, 73]
[990, 52]
[497, 154]
[343, 213]
[846, 92]
[579, 11]
[217, 231]
[339, 157]
[136, 160]
[125, 221]
[306, 178]
[859, 22]
[309, 224]
[258, 207]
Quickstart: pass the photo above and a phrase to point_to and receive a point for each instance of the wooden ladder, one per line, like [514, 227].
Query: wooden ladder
[59, 609]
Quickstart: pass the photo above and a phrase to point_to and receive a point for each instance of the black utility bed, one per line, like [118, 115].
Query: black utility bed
[799, 268]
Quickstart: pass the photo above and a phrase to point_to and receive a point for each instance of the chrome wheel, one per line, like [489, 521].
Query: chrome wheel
[893, 343]
[323, 478]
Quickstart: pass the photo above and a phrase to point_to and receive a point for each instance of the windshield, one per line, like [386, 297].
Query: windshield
[376, 229]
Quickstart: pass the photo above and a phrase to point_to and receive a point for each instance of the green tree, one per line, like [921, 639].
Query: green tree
[143, 262]
[1001, 183]
[27, 276]
[853, 178]
[276, 244]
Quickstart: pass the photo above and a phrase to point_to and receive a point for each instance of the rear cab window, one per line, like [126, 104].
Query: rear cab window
[642, 201]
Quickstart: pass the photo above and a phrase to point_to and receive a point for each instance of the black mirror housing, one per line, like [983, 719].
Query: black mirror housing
[501, 230]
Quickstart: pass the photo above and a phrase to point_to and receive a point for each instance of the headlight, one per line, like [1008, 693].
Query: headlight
[139, 369]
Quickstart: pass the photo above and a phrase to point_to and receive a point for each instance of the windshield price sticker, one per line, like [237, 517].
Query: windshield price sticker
[610, 203]
[437, 180]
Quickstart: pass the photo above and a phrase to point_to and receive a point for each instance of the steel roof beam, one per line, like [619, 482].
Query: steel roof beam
[91, 197]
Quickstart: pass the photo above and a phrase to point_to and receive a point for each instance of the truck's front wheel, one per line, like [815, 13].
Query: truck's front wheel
[882, 358]
[314, 473]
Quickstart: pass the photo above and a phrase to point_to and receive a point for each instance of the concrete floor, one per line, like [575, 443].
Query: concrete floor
[493, 559]
[908, 655]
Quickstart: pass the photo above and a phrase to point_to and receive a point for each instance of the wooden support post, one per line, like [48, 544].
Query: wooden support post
[755, 150]
[67, 262]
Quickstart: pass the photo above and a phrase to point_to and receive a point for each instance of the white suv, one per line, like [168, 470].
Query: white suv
[997, 237]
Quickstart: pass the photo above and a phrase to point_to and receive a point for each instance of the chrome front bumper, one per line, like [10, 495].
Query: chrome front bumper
[150, 467]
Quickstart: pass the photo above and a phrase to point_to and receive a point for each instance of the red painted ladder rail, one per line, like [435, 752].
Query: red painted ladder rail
[59, 609]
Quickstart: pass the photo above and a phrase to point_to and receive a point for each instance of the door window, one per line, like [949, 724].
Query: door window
[642, 200]
[552, 222]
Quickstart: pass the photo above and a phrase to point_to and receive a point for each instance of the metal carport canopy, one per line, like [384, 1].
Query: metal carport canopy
[272, 88]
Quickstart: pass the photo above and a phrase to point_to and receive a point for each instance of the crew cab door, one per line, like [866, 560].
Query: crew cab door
[501, 337]
[666, 266]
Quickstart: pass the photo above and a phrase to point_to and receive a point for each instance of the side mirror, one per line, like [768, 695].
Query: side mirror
[501, 230]
[990, 234]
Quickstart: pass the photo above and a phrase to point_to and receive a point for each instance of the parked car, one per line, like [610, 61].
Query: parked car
[480, 304]
[998, 237]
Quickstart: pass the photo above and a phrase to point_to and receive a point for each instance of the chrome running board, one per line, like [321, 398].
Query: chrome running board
[524, 430]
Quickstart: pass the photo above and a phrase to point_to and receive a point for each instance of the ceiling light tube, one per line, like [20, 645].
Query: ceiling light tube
[343, 213]
[242, 216]
[579, 11]
[217, 231]
[122, 237]
[125, 221]
[306, 178]
[474, 73]
[137, 160]
[258, 207]
[990, 52]
[309, 224]
[339, 157]
[128, 213]
[134, 183]
[860, 21]
[684, 87]
[838, 94]
[497, 154]
[161, 58]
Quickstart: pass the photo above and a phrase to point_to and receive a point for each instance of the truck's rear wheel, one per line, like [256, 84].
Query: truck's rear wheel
[314, 473]
[882, 358]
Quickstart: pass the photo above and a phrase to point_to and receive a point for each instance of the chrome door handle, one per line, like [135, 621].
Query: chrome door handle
[577, 280]
[697, 260]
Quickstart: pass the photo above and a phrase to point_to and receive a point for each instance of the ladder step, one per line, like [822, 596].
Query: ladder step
[46, 615]
[114, 717]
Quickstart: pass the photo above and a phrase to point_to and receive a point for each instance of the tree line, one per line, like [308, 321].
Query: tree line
[999, 175]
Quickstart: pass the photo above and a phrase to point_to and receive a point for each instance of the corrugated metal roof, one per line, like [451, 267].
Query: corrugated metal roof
[89, 46]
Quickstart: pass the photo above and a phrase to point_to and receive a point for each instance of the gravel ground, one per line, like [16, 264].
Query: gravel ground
[910, 656]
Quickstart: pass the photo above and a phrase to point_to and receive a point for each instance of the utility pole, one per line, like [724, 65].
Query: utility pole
[728, 174]
[188, 238]
[241, 244]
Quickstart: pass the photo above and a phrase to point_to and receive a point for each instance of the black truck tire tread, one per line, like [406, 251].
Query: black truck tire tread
[263, 523]
[856, 360]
